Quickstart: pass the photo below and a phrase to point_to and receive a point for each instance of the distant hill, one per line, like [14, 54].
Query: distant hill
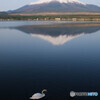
[58, 6]
[3, 14]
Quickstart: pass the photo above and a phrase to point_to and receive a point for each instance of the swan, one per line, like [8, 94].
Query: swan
[38, 95]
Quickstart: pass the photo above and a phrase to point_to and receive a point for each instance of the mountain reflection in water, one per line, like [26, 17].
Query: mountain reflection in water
[59, 34]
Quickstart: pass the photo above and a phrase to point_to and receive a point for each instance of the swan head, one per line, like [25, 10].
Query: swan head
[44, 91]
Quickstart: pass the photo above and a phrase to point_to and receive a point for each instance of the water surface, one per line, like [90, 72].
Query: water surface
[59, 57]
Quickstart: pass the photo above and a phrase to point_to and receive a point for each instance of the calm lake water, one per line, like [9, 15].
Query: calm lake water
[57, 56]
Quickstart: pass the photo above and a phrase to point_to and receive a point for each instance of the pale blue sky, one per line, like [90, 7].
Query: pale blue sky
[14, 4]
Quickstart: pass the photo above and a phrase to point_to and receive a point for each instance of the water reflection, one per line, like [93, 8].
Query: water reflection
[61, 33]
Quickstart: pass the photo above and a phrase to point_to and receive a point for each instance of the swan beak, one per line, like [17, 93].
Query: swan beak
[45, 90]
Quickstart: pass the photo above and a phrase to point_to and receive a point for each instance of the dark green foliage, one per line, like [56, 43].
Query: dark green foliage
[48, 17]
[3, 14]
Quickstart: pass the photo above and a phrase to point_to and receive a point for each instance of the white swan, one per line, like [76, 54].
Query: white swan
[38, 95]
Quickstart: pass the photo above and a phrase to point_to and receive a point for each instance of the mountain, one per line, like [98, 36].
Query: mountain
[48, 6]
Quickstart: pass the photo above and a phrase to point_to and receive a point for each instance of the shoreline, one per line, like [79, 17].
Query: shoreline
[58, 19]
[51, 18]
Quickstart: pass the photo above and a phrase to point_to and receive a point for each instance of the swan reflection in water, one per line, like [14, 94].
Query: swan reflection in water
[61, 33]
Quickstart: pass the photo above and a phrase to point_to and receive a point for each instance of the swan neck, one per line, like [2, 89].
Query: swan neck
[43, 92]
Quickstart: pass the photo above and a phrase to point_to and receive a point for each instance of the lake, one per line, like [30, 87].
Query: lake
[57, 56]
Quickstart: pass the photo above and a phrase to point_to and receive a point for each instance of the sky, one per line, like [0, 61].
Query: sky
[6, 5]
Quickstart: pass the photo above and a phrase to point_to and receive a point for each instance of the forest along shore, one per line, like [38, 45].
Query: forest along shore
[73, 17]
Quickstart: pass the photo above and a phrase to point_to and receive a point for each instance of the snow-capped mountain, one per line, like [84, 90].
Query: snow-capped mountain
[63, 6]
[60, 1]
